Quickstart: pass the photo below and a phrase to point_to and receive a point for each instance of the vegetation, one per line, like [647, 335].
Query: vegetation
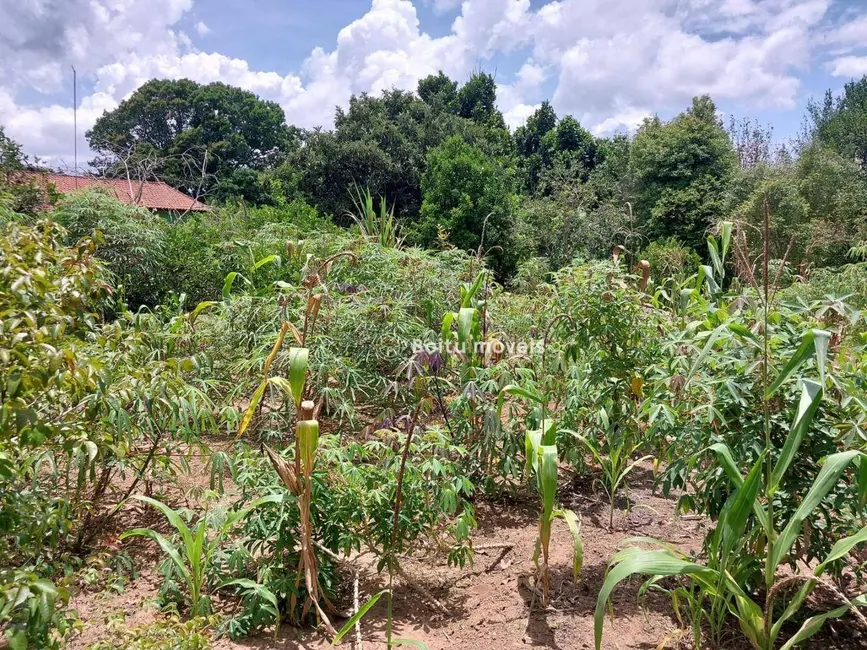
[379, 333]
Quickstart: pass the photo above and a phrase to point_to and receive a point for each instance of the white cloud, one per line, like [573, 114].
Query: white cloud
[40, 39]
[202, 29]
[608, 62]
[849, 66]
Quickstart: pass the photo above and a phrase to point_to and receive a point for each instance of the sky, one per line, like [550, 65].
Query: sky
[610, 63]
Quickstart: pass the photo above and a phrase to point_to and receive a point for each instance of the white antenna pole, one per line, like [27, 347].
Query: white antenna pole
[75, 122]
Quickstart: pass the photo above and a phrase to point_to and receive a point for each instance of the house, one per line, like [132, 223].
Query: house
[153, 195]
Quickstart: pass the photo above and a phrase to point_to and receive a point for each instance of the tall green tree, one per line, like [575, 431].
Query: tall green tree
[528, 142]
[468, 193]
[192, 136]
[841, 122]
[477, 100]
[682, 169]
[439, 90]
[382, 143]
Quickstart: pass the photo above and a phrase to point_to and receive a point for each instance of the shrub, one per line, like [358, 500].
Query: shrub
[168, 634]
[129, 239]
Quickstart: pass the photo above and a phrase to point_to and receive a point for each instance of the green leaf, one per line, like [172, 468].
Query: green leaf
[574, 525]
[17, 640]
[357, 616]
[410, 642]
[738, 506]
[548, 466]
[814, 341]
[526, 393]
[656, 563]
[466, 318]
[298, 361]
[271, 259]
[811, 397]
[706, 350]
[829, 474]
[842, 548]
[166, 547]
[229, 281]
[725, 458]
[814, 623]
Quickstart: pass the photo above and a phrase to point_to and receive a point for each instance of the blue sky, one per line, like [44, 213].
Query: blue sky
[608, 62]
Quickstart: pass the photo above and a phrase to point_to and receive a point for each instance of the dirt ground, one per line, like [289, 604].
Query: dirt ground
[489, 604]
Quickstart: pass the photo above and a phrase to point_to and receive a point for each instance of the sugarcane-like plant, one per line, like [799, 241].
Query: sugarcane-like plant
[198, 544]
[542, 462]
[720, 581]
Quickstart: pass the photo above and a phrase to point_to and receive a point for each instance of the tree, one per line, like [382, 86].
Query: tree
[682, 169]
[21, 196]
[381, 143]
[467, 193]
[439, 90]
[528, 142]
[751, 142]
[477, 100]
[193, 132]
[841, 122]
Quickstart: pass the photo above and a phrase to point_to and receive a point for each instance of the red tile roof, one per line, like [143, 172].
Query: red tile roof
[148, 194]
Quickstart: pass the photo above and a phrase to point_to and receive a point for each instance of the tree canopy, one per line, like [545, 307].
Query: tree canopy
[193, 136]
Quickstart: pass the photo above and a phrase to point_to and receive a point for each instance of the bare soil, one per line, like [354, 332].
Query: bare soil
[492, 605]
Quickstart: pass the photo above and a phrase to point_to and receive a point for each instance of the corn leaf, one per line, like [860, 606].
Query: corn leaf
[814, 341]
[814, 623]
[229, 281]
[657, 563]
[574, 525]
[251, 409]
[811, 397]
[274, 350]
[548, 466]
[357, 616]
[725, 458]
[842, 548]
[298, 359]
[827, 478]
[466, 317]
[308, 437]
[738, 507]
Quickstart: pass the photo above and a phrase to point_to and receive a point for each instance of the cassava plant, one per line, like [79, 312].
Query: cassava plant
[752, 540]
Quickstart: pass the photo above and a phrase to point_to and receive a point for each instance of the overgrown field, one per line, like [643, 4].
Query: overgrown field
[328, 436]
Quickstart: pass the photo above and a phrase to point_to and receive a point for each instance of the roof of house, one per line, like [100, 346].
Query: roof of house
[148, 194]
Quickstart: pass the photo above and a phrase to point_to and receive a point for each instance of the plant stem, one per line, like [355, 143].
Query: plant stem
[769, 577]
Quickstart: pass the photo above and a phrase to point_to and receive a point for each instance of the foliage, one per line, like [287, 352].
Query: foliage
[682, 168]
[838, 121]
[670, 261]
[378, 227]
[199, 135]
[197, 548]
[129, 239]
[472, 198]
[32, 611]
[169, 634]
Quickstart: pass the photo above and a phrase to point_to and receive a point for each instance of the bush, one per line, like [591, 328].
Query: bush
[169, 634]
[669, 259]
[130, 239]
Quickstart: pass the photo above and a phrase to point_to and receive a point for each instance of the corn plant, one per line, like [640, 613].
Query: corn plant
[194, 559]
[722, 578]
[543, 463]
